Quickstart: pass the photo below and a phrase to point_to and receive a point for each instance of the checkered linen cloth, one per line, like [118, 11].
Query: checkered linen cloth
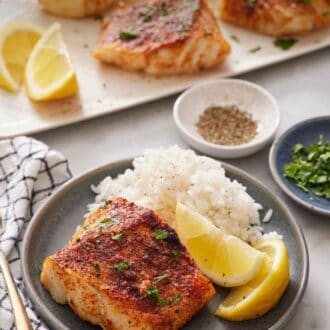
[29, 173]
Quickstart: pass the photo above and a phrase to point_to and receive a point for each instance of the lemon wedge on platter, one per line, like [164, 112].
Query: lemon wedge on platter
[49, 74]
[225, 259]
[16, 43]
[264, 291]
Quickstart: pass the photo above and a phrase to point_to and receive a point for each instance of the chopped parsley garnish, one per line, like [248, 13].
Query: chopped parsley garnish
[160, 234]
[163, 9]
[104, 206]
[250, 3]
[120, 266]
[310, 167]
[170, 301]
[255, 49]
[100, 230]
[176, 255]
[326, 13]
[152, 293]
[160, 278]
[106, 220]
[235, 38]
[307, 2]
[194, 6]
[128, 35]
[97, 268]
[146, 14]
[118, 237]
[284, 44]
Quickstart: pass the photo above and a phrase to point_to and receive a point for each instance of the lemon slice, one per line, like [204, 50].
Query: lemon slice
[49, 74]
[225, 259]
[263, 292]
[16, 43]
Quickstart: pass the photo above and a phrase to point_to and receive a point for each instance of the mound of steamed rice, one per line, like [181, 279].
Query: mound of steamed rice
[161, 177]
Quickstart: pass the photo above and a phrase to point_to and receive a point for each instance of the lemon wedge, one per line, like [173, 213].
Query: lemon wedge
[16, 43]
[263, 292]
[225, 259]
[49, 74]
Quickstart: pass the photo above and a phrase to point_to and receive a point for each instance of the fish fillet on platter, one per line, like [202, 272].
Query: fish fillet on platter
[125, 268]
[277, 17]
[162, 37]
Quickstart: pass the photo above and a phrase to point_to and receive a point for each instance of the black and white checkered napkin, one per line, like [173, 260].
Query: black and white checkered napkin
[29, 173]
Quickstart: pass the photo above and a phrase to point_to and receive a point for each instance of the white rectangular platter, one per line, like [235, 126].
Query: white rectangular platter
[105, 89]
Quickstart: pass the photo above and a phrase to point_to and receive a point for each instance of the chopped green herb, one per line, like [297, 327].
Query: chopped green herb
[326, 13]
[128, 35]
[250, 3]
[100, 230]
[255, 49]
[106, 220]
[160, 234]
[194, 6]
[307, 2]
[170, 301]
[152, 293]
[284, 44]
[235, 38]
[146, 14]
[160, 278]
[118, 237]
[104, 206]
[310, 167]
[120, 266]
[163, 9]
[176, 255]
[97, 268]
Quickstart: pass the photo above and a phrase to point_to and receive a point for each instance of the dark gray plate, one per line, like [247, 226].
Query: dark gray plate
[56, 221]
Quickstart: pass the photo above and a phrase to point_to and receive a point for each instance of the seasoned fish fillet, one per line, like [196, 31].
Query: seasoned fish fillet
[126, 269]
[277, 17]
[76, 8]
[162, 37]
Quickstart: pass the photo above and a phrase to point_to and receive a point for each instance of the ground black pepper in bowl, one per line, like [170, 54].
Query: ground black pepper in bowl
[227, 125]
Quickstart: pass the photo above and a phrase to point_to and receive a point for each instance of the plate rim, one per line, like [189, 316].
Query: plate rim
[50, 319]
[278, 177]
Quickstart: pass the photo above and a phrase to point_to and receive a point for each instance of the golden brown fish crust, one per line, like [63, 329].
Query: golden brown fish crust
[163, 37]
[126, 269]
[277, 17]
[76, 8]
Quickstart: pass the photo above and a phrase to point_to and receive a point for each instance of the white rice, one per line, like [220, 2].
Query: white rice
[161, 177]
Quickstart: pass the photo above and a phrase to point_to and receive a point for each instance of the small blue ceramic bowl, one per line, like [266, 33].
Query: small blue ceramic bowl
[306, 133]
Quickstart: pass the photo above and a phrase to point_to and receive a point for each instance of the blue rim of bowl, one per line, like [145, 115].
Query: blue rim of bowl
[47, 315]
[278, 178]
[182, 128]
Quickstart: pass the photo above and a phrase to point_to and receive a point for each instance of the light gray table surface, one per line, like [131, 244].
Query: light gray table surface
[302, 88]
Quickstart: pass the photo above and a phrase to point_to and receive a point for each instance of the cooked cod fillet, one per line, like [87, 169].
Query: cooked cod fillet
[125, 268]
[162, 37]
[277, 17]
[76, 8]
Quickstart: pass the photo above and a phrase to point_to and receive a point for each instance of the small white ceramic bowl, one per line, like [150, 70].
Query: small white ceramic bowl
[246, 96]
